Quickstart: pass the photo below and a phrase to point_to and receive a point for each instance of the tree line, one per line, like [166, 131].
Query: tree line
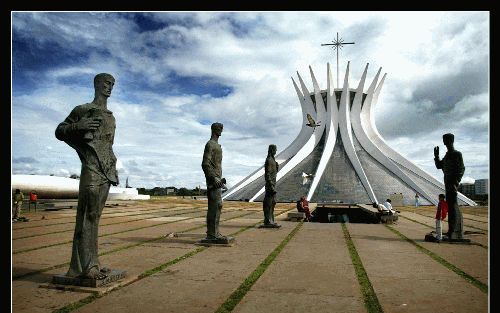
[172, 191]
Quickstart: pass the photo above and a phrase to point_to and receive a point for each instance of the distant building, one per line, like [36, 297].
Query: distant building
[170, 191]
[467, 189]
[481, 186]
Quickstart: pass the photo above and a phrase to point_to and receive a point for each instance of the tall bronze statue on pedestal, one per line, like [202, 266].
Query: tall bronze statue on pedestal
[270, 172]
[90, 130]
[212, 167]
[453, 168]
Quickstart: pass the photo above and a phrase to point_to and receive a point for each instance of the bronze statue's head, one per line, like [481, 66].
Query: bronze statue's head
[217, 128]
[103, 84]
[448, 139]
[271, 150]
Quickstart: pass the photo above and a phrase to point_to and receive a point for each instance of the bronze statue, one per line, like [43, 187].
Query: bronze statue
[453, 168]
[212, 167]
[271, 170]
[90, 130]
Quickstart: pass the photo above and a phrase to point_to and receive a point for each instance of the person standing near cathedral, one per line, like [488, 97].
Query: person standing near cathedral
[441, 212]
[17, 202]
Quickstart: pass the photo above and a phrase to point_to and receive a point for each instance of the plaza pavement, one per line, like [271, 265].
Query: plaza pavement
[300, 267]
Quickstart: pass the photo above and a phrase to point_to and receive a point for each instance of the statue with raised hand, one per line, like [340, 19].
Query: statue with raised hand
[453, 168]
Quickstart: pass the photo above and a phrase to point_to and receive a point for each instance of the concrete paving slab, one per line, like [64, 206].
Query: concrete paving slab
[430, 295]
[200, 283]
[49, 239]
[168, 218]
[315, 268]
[48, 224]
[135, 261]
[430, 222]
[43, 258]
[274, 302]
[404, 278]
[417, 281]
[468, 224]
[471, 259]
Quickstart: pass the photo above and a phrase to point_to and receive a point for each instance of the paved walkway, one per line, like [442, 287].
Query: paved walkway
[314, 272]
[407, 280]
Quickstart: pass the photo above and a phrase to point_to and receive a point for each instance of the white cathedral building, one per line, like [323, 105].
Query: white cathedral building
[339, 156]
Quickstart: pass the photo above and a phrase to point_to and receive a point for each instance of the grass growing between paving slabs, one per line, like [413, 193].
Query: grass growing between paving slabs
[76, 305]
[115, 223]
[105, 215]
[415, 221]
[15, 277]
[464, 224]
[242, 290]
[483, 287]
[105, 235]
[189, 254]
[369, 296]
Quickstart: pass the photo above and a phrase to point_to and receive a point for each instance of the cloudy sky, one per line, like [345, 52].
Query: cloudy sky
[176, 73]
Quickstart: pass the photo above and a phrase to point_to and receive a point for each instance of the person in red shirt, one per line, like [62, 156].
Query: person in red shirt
[304, 205]
[441, 212]
[33, 199]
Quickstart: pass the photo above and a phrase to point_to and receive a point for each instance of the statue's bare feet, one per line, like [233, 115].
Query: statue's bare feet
[220, 236]
[94, 273]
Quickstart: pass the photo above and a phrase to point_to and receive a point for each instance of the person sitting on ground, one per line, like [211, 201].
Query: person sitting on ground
[388, 205]
[381, 208]
[441, 212]
[304, 205]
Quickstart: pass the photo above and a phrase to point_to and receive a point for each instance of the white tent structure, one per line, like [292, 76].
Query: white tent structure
[54, 187]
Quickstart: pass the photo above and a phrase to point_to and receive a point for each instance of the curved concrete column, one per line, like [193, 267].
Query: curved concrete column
[359, 120]
[318, 115]
[331, 128]
[346, 134]
[376, 138]
[292, 149]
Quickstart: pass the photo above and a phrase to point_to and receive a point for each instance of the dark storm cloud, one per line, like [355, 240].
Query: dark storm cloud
[411, 119]
[365, 32]
[444, 91]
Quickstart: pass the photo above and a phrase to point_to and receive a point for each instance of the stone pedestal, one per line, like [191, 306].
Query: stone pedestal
[462, 240]
[431, 237]
[296, 216]
[389, 219]
[269, 226]
[225, 241]
[113, 275]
